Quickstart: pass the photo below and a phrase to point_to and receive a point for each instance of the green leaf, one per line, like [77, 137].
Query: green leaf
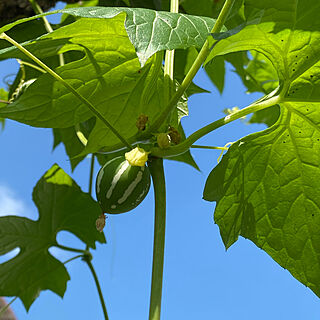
[184, 157]
[148, 30]
[258, 75]
[199, 7]
[71, 142]
[287, 34]
[261, 74]
[215, 69]
[26, 31]
[120, 89]
[266, 188]
[62, 206]
[269, 116]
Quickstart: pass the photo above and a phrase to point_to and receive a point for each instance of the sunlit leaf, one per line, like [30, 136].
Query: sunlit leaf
[266, 186]
[148, 30]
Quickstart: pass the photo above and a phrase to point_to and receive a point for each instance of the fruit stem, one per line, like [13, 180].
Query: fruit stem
[157, 174]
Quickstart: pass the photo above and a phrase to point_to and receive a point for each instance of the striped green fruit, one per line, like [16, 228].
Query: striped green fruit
[120, 187]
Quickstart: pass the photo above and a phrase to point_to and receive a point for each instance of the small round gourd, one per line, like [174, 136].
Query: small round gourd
[121, 187]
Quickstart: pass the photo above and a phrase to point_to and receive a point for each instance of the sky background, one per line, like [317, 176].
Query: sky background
[201, 279]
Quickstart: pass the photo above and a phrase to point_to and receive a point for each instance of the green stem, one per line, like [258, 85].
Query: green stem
[68, 86]
[87, 259]
[70, 249]
[73, 258]
[169, 61]
[202, 56]
[186, 144]
[4, 101]
[6, 307]
[157, 173]
[208, 147]
[37, 9]
[25, 63]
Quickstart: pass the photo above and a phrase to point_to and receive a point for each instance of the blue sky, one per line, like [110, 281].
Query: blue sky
[201, 279]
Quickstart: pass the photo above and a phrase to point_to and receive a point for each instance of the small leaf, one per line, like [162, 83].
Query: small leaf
[62, 206]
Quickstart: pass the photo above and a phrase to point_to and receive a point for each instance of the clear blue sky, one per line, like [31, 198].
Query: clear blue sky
[201, 280]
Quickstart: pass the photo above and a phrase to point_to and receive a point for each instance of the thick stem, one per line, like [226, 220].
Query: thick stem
[69, 87]
[87, 259]
[157, 173]
[202, 56]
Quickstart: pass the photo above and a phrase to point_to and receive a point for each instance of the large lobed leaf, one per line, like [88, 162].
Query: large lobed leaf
[62, 206]
[149, 31]
[267, 185]
[110, 76]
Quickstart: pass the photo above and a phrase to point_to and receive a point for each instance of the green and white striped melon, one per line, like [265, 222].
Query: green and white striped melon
[120, 187]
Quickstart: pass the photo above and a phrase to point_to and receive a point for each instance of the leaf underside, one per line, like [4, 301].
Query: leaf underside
[62, 206]
[267, 185]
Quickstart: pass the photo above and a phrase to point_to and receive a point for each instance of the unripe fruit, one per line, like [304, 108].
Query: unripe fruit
[163, 140]
[121, 187]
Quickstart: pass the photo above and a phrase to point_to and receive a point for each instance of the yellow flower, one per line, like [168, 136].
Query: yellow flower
[137, 157]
